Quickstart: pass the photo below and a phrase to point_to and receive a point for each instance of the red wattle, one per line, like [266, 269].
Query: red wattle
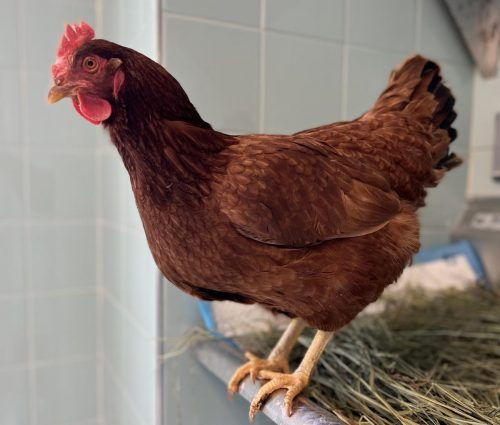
[92, 108]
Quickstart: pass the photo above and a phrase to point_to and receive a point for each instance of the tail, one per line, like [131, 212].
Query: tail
[416, 88]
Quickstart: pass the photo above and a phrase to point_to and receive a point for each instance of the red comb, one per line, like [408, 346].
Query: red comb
[72, 39]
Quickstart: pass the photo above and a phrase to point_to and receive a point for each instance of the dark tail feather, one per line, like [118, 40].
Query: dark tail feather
[417, 88]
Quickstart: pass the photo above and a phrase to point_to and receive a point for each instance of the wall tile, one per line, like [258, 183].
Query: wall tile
[238, 11]
[113, 335]
[9, 42]
[146, 41]
[445, 202]
[140, 281]
[114, 181]
[11, 185]
[13, 331]
[111, 16]
[132, 356]
[439, 35]
[10, 105]
[317, 18]
[310, 93]
[132, 216]
[481, 182]
[14, 393]
[219, 69]
[43, 35]
[368, 73]
[53, 125]
[116, 409]
[11, 259]
[62, 257]
[113, 266]
[62, 185]
[140, 375]
[66, 393]
[130, 23]
[117, 201]
[138, 16]
[65, 326]
[93, 421]
[383, 24]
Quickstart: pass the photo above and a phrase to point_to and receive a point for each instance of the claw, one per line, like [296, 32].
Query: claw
[254, 409]
[294, 383]
[254, 367]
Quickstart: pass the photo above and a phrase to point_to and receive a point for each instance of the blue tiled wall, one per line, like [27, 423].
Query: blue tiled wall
[47, 227]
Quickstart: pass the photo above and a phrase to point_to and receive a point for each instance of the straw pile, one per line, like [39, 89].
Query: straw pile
[424, 360]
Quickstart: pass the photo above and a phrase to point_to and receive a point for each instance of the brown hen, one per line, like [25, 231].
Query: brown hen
[314, 225]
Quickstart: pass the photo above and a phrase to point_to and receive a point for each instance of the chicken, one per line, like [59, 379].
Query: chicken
[313, 225]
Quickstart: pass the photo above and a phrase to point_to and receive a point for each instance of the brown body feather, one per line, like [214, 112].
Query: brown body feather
[314, 224]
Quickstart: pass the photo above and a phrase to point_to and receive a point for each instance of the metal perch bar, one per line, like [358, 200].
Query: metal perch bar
[222, 361]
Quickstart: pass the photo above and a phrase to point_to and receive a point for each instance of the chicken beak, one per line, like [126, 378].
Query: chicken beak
[56, 93]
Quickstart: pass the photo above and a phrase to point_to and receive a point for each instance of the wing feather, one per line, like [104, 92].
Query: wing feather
[299, 192]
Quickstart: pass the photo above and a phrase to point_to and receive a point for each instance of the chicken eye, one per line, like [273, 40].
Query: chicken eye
[90, 64]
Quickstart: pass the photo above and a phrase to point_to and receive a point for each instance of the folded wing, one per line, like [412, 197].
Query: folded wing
[299, 192]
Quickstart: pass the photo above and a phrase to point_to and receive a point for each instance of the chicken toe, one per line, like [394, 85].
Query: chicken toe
[254, 367]
[277, 360]
[294, 383]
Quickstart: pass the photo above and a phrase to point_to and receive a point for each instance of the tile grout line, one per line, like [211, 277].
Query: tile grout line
[213, 22]
[262, 65]
[54, 148]
[309, 37]
[47, 222]
[98, 283]
[49, 293]
[345, 62]
[48, 363]
[107, 295]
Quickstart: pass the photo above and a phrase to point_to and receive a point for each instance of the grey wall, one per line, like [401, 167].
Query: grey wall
[486, 106]
[47, 227]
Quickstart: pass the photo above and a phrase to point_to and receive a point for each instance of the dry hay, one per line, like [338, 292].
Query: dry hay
[424, 360]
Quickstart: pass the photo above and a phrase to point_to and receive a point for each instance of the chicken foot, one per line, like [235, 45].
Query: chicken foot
[276, 361]
[295, 382]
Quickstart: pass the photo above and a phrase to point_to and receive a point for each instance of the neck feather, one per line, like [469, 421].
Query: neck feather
[169, 159]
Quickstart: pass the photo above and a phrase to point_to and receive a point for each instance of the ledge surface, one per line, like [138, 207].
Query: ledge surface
[222, 361]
